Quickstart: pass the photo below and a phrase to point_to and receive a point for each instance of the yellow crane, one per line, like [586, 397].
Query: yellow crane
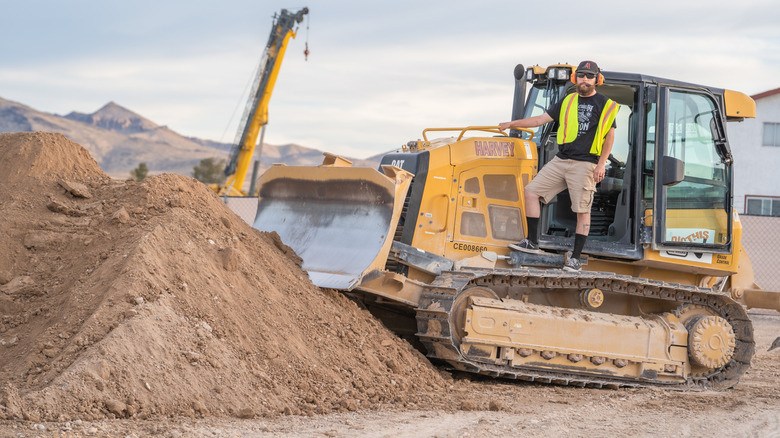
[256, 113]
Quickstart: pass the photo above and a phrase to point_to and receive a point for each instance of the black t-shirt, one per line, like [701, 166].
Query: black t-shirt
[588, 113]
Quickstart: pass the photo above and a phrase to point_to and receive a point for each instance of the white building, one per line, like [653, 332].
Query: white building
[755, 145]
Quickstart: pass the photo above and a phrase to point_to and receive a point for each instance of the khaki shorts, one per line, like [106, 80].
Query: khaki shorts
[559, 174]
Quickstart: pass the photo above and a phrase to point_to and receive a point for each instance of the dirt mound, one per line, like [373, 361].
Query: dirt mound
[125, 299]
[42, 154]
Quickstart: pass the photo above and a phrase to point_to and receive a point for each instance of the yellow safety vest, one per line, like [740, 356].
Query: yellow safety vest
[568, 124]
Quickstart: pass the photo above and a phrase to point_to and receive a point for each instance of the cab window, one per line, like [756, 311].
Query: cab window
[696, 209]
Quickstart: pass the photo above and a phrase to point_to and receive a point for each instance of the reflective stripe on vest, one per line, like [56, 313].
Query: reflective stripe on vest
[569, 124]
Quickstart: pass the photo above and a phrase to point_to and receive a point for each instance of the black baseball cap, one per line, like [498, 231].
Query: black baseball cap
[588, 67]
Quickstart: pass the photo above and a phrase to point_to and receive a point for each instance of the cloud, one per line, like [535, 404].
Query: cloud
[377, 74]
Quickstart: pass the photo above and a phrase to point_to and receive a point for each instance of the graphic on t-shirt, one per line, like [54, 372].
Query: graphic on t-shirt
[584, 114]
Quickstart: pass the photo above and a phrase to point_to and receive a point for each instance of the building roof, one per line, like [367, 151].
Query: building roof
[766, 94]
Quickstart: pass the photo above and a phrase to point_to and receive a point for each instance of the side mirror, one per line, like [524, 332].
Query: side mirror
[673, 171]
[716, 127]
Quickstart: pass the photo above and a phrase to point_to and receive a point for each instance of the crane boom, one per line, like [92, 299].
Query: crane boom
[256, 112]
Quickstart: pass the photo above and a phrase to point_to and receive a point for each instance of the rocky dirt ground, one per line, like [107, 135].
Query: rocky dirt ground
[140, 309]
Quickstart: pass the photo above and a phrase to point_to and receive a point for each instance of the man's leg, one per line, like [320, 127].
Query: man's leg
[532, 208]
[581, 235]
[546, 184]
[532, 212]
[581, 189]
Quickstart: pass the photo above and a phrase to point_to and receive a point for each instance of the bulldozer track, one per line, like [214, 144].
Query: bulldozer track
[437, 300]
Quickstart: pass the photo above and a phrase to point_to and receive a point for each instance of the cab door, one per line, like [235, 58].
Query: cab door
[489, 213]
[693, 177]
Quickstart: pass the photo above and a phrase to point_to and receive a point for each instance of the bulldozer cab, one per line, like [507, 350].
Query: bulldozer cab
[668, 179]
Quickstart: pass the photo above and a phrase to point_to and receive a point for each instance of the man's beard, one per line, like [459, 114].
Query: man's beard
[583, 89]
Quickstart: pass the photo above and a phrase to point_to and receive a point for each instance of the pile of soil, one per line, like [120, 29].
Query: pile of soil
[153, 300]
[125, 299]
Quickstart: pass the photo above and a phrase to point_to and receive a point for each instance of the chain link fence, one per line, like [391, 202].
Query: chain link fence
[760, 238]
[244, 206]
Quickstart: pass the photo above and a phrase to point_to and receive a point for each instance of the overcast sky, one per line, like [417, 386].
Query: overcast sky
[378, 72]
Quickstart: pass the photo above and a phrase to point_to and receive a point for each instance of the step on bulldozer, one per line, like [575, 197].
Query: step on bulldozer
[422, 242]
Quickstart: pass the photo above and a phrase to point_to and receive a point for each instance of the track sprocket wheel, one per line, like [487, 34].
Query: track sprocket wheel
[711, 339]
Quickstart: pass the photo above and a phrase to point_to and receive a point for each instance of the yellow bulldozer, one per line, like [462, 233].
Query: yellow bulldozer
[422, 242]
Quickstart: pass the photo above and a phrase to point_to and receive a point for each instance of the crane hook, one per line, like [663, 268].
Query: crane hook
[306, 49]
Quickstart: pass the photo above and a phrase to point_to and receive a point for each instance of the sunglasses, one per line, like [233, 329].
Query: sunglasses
[586, 75]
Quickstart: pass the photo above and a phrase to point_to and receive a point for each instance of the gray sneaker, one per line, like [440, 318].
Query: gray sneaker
[526, 245]
[572, 265]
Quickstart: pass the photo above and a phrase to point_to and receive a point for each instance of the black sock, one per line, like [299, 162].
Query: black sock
[533, 229]
[579, 243]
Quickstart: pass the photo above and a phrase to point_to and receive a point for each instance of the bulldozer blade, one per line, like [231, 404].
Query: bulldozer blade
[339, 220]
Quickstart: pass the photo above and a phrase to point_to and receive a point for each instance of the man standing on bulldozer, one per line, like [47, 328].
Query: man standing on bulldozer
[586, 131]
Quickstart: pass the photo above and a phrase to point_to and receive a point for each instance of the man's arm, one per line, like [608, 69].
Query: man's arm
[531, 122]
[606, 149]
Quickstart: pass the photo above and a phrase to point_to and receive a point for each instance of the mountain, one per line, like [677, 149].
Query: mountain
[119, 139]
[115, 118]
